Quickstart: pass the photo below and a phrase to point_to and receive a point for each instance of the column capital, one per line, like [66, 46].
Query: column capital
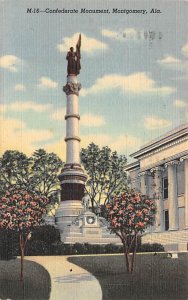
[172, 163]
[72, 88]
[157, 168]
[143, 173]
[183, 158]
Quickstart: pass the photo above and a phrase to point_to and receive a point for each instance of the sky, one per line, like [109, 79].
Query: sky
[134, 73]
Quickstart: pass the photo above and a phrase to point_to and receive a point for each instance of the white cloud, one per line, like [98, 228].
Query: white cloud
[10, 62]
[154, 122]
[59, 114]
[110, 34]
[126, 34]
[136, 83]
[184, 50]
[3, 108]
[169, 60]
[46, 82]
[90, 120]
[20, 106]
[19, 87]
[181, 103]
[123, 144]
[88, 44]
[130, 33]
[15, 136]
[126, 143]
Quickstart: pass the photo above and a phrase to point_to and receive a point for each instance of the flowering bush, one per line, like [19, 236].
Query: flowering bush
[129, 215]
[22, 212]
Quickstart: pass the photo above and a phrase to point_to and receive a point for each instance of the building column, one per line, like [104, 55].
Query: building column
[172, 195]
[185, 159]
[159, 220]
[144, 180]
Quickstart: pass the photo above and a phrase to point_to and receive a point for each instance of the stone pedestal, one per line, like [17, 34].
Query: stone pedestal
[87, 228]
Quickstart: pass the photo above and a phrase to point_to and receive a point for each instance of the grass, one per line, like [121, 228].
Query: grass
[154, 278]
[36, 284]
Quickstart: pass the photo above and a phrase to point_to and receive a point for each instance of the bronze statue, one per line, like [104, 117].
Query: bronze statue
[73, 66]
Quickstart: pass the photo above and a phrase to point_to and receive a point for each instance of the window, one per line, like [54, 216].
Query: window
[166, 220]
[165, 188]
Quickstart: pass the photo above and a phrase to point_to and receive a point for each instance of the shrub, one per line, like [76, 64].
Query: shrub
[46, 233]
[9, 245]
[151, 247]
[37, 248]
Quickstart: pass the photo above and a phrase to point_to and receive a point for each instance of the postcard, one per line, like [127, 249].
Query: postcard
[93, 112]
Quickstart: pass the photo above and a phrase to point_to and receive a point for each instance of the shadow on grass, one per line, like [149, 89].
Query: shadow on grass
[36, 284]
[154, 278]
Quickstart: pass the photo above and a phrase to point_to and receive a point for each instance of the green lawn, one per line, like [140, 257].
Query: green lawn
[36, 283]
[155, 277]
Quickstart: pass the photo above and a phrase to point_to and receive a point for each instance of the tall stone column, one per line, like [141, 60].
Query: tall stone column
[159, 223]
[144, 181]
[72, 177]
[185, 160]
[172, 195]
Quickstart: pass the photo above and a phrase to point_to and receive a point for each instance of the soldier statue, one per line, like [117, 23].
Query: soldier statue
[73, 57]
[85, 202]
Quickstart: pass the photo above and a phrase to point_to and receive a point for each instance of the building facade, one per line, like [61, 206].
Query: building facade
[161, 172]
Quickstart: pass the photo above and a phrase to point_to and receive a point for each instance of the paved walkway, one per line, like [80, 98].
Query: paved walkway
[68, 281]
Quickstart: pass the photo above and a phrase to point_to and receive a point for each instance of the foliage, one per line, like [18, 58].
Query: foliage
[14, 171]
[38, 173]
[152, 247]
[129, 215]
[44, 170]
[9, 244]
[106, 173]
[21, 211]
[46, 233]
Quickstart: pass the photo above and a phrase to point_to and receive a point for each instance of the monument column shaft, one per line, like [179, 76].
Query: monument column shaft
[72, 125]
[72, 177]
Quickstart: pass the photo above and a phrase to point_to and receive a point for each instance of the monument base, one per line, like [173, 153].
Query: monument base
[88, 228]
[67, 213]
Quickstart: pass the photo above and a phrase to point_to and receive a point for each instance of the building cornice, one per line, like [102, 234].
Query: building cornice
[166, 141]
[132, 166]
[161, 163]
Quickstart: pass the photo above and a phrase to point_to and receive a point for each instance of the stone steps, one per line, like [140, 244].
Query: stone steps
[171, 240]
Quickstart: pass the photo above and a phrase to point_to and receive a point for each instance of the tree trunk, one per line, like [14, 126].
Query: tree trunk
[126, 255]
[22, 262]
[22, 256]
[134, 254]
[22, 250]
[130, 259]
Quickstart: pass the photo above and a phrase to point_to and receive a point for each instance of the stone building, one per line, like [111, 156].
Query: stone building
[161, 172]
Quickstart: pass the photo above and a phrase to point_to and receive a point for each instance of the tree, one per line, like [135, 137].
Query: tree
[22, 212]
[106, 173]
[37, 173]
[44, 170]
[129, 215]
[14, 170]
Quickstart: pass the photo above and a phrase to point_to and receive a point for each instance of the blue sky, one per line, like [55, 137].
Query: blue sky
[134, 87]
